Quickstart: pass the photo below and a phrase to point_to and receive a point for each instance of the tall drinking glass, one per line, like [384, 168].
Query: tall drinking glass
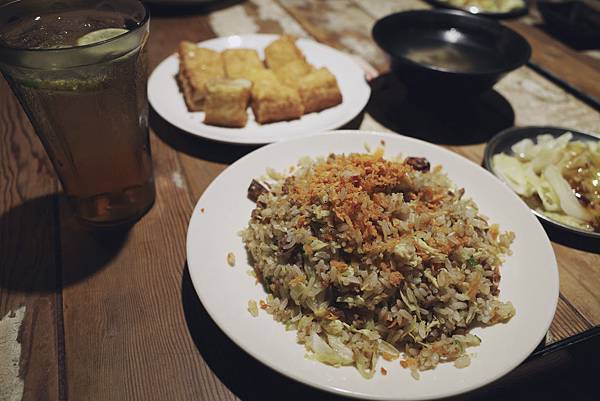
[79, 70]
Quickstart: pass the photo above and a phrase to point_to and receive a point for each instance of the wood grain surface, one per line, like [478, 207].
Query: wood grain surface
[581, 72]
[28, 254]
[126, 335]
[127, 324]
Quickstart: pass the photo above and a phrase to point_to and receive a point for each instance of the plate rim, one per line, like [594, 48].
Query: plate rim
[356, 109]
[517, 12]
[348, 393]
[491, 150]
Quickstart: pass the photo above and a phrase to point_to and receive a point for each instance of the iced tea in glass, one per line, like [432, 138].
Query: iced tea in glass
[79, 70]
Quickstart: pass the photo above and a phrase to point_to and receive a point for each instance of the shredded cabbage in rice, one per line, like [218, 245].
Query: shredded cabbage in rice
[370, 258]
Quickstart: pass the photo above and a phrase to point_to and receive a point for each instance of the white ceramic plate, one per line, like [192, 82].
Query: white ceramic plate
[164, 95]
[529, 276]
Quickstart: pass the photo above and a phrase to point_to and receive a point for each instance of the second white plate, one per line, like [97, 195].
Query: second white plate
[529, 276]
[167, 101]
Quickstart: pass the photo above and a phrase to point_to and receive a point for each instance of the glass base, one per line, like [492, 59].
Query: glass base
[115, 208]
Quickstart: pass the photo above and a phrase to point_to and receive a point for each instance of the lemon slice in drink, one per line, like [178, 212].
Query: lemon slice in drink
[100, 35]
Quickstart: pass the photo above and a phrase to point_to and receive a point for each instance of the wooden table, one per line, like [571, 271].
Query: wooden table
[90, 316]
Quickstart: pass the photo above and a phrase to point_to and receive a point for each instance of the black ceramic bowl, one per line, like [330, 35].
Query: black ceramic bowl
[449, 53]
[502, 143]
[577, 21]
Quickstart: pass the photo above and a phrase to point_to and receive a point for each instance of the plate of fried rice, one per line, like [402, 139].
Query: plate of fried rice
[372, 265]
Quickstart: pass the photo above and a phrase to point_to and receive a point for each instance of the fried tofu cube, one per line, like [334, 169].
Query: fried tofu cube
[197, 65]
[282, 51]
[226, 102]
[291, 73]
[238, 62]
[272, 101]
[319, 90]
[262, 75]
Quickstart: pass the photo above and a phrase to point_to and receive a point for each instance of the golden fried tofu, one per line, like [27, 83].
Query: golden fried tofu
[282, 51]
[226, 102]
[272, 101]
[291, 73]
[238, 62]
[319, 90]
[197, 65]
[262, 75]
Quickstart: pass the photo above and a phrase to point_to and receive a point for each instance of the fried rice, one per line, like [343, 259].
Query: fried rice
[367, 257]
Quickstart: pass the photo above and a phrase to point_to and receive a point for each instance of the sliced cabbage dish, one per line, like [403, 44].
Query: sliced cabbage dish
[490, 6]
[556, 176]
